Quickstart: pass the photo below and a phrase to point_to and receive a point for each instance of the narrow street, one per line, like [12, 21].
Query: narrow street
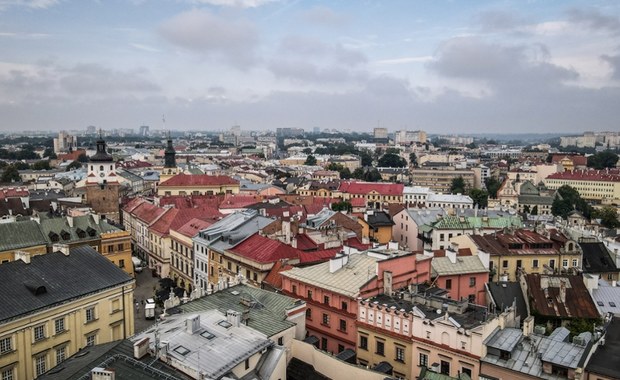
[145, 288]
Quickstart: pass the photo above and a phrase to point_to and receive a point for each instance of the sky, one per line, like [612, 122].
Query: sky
[546, 66]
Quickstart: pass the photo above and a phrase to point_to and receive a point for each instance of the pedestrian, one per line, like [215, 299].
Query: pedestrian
[141, 302]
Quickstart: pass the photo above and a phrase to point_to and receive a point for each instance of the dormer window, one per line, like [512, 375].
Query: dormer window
[65, 235]
[53, 237]
[80, 233]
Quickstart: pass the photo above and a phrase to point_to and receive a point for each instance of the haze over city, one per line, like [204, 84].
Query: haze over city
[440, 66]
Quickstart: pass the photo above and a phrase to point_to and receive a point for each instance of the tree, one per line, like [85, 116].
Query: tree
[480, 197]
[41, 165]
[367, 174]
[366, 158]
[561, 207]
[526, 209]
[345, 173]
[307, 150]
[492, 184]
[82, 157]
[413, 159]
[49, 152]
[10, 174]
[21, 166]
[471, 146]
[458, 185]
[73, 165]
[310, 160]
[608, 216]
[534, 210]
[574, 199]
[391, 160]
[342, 206]
[603, 160]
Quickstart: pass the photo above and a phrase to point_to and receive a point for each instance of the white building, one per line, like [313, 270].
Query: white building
[64, 142]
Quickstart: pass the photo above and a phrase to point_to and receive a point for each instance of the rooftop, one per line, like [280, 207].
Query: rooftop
[199, 180]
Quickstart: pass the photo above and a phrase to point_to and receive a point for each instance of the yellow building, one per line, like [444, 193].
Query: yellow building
[523, 249]
[591, 184]
[116, 247]
[377, 226]
[199, 184]
[49, 314]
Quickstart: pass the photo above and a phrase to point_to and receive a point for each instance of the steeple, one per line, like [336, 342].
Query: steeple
[169, 155]
[101, 155]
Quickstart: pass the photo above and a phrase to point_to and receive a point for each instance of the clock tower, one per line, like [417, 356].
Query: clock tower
[102, 185]
[170, 163]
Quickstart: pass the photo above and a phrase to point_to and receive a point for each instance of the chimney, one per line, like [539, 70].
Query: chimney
[528, 326]
[338, 261]
[387, 283]
[141, 348]
[23, 256]
[64, 248]
[96, 218]
[233, 317]
[562, 291]
[392, 245]
[192, 324]
[70, 221]
[99, 373]
[544, 282]
[451, 255]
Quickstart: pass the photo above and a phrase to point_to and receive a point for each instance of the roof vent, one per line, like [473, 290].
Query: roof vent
[35, 289]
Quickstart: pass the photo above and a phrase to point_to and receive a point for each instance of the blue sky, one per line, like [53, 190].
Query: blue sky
[441, 66]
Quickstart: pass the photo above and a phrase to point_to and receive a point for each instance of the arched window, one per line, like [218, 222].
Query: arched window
[100, 168]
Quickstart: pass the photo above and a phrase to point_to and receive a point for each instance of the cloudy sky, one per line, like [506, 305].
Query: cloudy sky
[441, 66]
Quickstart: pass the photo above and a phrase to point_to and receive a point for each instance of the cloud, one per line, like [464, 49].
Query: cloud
[404, 60]
[203, 32]
[499, 20]
[321, 15]
[594, 20]
[143, 47]
[614, 62]
[34, 4]
[498, 65]
[235, 3]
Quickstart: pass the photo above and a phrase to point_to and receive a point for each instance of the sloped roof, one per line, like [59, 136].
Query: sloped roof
[318, 256]
[264, 250]
[442, 266]
[354, 187]
[193, 226]
[147, 212]
[596, 258]
[199, 180]
[273, 278]
[65, 278]
[578, 302]
[85, 223]
[268, 316]
[20, 234]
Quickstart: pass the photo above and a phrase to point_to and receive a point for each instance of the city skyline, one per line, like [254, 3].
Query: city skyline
[444, 67]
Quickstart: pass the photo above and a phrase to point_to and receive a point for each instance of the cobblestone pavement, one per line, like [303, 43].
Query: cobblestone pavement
[145, 284]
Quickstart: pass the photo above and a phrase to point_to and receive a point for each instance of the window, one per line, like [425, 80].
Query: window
[466, 371]
[247, 363]
[380, 348]
[281, 341]
[324, 344]
[400, 354]
[90, 314]
[364, 342]
[7, 374]
[575, 263]
[552, 263]
[343, 325]
[472, 282]
[471, 298]
[229, 264]
[6, 345]
[441, 237]
[40, 365]
[255, 277]
[344, 305]
[565, 263]
[445, 368]
[326, 300]
[505, 264]
[423, 360]
[120, 246]
[91, 340]
[309, 294]
[308, 313]
[39, 332]
[340, 348]
[326, 319]
[61, 354]
[59, 325]
[448, 284]
[294, 289]
[121, 263]
[535, 263]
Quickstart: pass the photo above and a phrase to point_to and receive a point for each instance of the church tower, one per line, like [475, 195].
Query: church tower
[170, 163]
[102, 185]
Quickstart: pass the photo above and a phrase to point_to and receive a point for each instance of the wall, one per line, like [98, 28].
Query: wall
[329, 366]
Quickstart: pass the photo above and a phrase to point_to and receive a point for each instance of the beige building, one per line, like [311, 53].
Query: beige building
[198, 184]
[595, 185]
[440, 179]
[49, 314]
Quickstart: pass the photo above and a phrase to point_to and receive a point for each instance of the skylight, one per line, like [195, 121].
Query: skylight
[181, 350]
[206, 334]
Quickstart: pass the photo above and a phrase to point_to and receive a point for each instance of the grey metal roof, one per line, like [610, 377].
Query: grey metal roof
[442, 266]
[425, 216]
[213, 349]
[505, 293]
[605, 297]
[65, 278]
[267, 316]
[505, 340]
[20, 234]
[605, 360]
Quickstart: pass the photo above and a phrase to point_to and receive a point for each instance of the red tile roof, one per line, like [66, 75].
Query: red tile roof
[318, 256]
[133, 164]
[589, 175]
[147, 212]
[367, 187]
[274, 278]
[176, 218]
[195, 225]
[73, 156]
[14, 192]
[304, 243]
[199, 180]
[354, 242]
[578, 160]
[264, 250]
[232, 201]
[192, 201]
[358, 202]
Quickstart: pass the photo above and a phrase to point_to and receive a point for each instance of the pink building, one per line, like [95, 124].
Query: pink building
[407, 223]
[331, 290]
[463, 276]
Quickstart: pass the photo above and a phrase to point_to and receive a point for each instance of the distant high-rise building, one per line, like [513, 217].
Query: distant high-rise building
[91, 130]
[316, 130]
[235, 130]
[408, 137]
[289, 132]
[64, 142]
[381, 133]
[144, 130]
